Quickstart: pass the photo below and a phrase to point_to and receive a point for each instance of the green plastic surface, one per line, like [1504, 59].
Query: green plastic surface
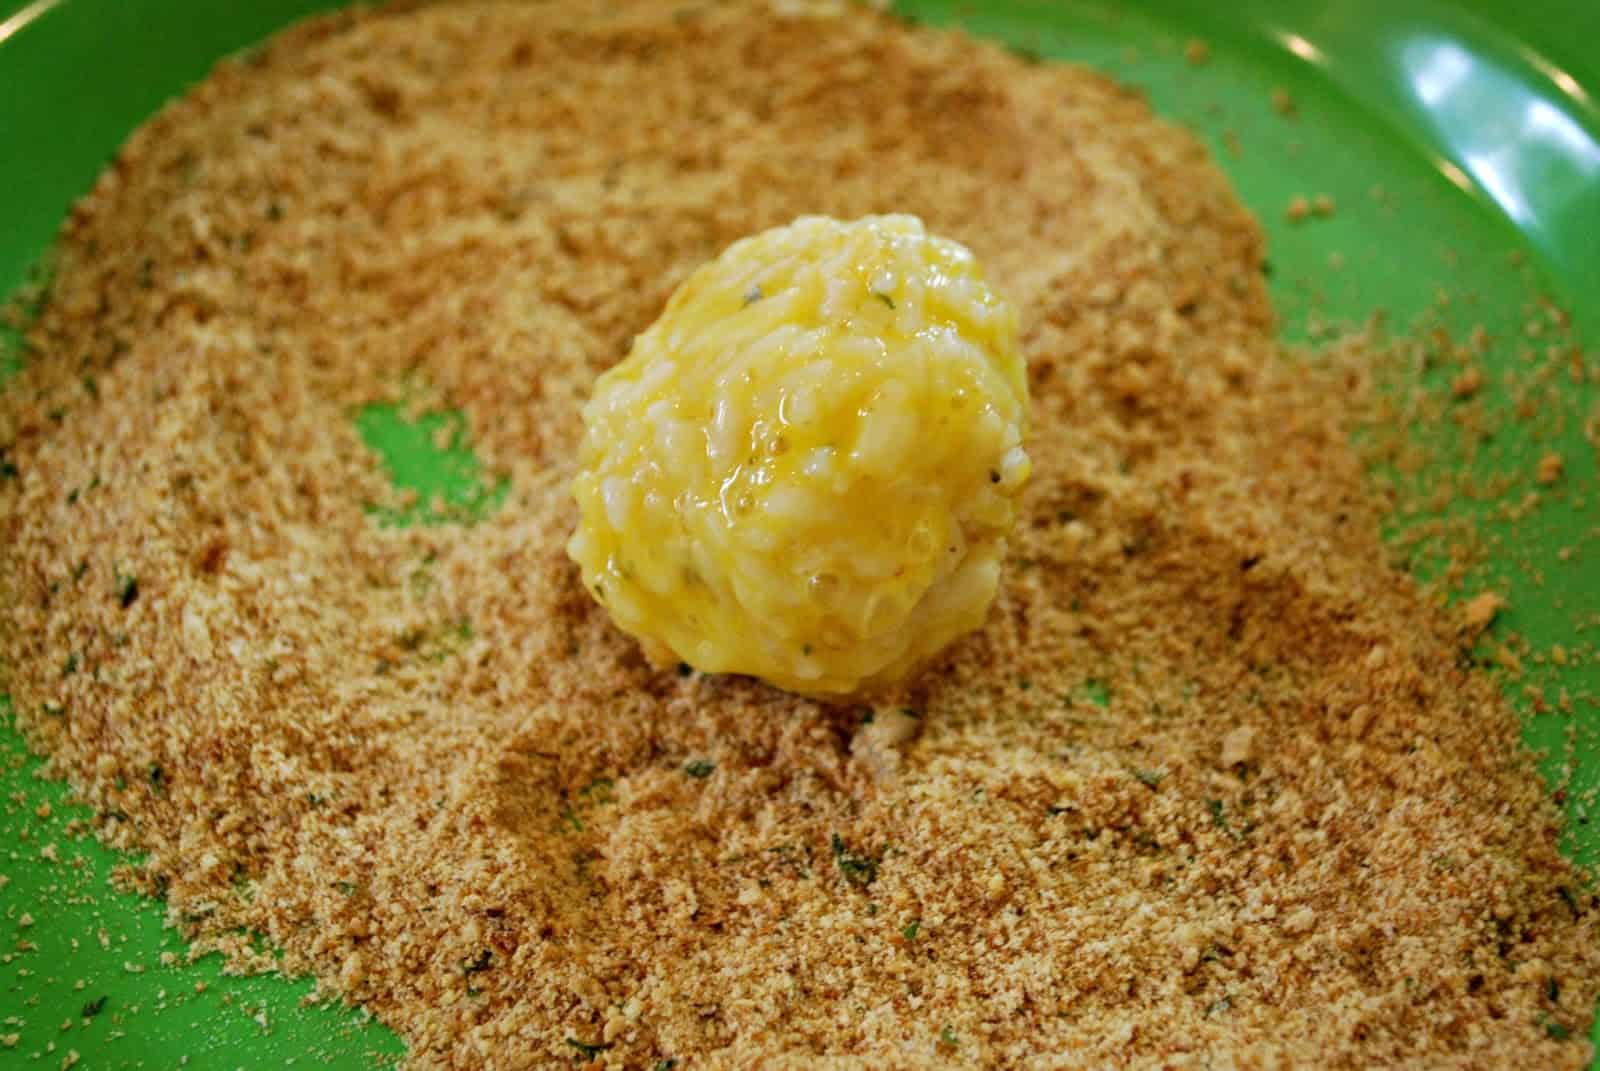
[1480, 126]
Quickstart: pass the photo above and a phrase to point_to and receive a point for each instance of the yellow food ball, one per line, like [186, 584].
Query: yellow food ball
[807, 468]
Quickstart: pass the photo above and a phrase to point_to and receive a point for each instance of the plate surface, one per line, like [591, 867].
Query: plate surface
[1462, 152]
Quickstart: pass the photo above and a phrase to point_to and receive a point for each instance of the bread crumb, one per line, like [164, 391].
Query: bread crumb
[1467, 383]
[24, 920]
[1322, 204]
[1197, 52]
[1550, 468]
[1282, 102]
[1480, 611]
[1238, 745]
[1299, 208]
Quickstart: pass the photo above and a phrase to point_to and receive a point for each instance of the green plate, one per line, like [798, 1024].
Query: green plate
[1448, 139]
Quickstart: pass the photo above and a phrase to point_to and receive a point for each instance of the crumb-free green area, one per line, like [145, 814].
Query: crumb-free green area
[431, 458]
[1448, 138]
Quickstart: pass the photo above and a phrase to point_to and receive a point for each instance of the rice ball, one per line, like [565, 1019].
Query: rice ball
[806, 469]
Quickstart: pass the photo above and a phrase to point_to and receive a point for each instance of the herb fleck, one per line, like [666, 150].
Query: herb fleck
[699, 768]
[1095, 692]
[857, 869]
[93, 1007]
[1218, 819]
[587, 1051]
[913, 928]
[478, 965]
[127, 591]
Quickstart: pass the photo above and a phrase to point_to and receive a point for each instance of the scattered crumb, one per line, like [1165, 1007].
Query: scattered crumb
[1197, 52]
[1282, 102]
[1480, 611]
[1299, 208]
[1322, 204]
[1550, 468]
[1467, 382]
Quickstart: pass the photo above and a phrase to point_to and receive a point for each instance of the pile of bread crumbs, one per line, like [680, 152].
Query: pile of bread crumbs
[1215, 787]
